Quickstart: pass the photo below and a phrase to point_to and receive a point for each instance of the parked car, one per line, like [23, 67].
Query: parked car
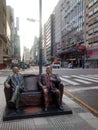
[70, 65]
[56, 65]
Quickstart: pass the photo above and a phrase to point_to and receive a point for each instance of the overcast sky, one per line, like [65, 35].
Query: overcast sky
[30, 9]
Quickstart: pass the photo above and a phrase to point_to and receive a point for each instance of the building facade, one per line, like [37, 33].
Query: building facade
[4, 41]
[72, 33]
[49, 37]
[57, 29]
[16, 40]
[34, 52]
[92, 32]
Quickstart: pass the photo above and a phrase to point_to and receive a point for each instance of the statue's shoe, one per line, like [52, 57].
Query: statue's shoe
[60, 108]
[11, 104]
[45, 109]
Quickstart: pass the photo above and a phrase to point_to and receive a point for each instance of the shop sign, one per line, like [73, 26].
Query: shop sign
[92, 53]
[81, 47]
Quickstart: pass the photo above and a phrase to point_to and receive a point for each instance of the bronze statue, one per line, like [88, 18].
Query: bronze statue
[15, 83]
[49, 83]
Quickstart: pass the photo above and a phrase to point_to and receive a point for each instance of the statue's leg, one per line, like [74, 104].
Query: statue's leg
[46, 102]
[57, 94]
[18, 99]
[15, 95]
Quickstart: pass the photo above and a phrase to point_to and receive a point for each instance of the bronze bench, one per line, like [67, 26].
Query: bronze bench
[32, 94]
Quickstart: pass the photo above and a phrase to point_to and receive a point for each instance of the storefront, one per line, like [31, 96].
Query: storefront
[92, 57]
[74, 55]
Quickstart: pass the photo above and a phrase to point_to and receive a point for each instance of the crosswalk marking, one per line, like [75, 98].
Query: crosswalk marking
[66, 76]
[87, 88]
[80, 77]
[69, 81]
[96, 75]
[82, 81]
[88, 76]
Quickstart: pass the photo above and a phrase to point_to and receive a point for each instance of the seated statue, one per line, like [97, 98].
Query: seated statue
[15, 84]
[48, 83]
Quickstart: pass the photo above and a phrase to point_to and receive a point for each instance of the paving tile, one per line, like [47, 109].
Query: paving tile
[93, 123]
[40, 121]
[87, 115]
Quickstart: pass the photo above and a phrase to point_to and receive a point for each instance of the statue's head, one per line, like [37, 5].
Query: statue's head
[15, 69]
[49, 69]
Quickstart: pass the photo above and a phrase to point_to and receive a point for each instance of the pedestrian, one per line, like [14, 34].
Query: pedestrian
[49, 83]
[16, 84]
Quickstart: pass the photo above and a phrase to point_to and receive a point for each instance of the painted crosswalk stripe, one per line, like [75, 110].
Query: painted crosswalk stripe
[66, 76]
[69, 81]
[82, 81]
[80, 77]
[88, 76]
[87, 88]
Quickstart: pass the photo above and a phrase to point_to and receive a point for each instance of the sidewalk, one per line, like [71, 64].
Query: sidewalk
[81, 119]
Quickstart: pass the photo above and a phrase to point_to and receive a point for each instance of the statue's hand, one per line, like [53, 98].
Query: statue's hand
[21, 90]
[51, 78]
[7, 85]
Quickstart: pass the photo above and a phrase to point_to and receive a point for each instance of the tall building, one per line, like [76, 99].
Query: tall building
[92, 32]
[34, 52]
[72, 31]
[3, 38]
[57, 29]
[9, 32]
[26, 54]
[48, 37]
[16, 40]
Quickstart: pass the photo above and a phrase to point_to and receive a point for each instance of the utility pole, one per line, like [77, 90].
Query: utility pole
[40, 36]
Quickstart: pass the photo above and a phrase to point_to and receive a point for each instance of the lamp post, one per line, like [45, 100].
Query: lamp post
[40, 34]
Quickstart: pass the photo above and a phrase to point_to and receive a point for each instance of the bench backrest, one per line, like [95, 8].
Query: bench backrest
[30, 82]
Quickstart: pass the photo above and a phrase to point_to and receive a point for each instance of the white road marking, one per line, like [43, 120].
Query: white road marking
[80, 77]
[82, 81]
[66, 76]
[88, 76]
[87, 88]
[69, 81]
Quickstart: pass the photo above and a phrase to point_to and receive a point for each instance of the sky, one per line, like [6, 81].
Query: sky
[30, 9]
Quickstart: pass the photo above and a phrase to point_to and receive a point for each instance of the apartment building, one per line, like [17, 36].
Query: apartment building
[3, 38]
[92, 32]
[72, 31]
[57, 29]
[49, 37]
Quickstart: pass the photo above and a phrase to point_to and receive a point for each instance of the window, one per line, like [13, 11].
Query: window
[90, 32]
[95, 39]
[95, 1]
[95, 9]
[90, 13]
[91, 3]
[96, 29]
[90, 40]
[90, 22]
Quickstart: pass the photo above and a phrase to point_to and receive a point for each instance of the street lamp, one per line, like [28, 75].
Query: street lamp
[40, 34]
[32, 20]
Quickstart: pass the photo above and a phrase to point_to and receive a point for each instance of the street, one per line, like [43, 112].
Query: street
[79, 94]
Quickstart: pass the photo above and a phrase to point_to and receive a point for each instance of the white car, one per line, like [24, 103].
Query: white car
[56, 65]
